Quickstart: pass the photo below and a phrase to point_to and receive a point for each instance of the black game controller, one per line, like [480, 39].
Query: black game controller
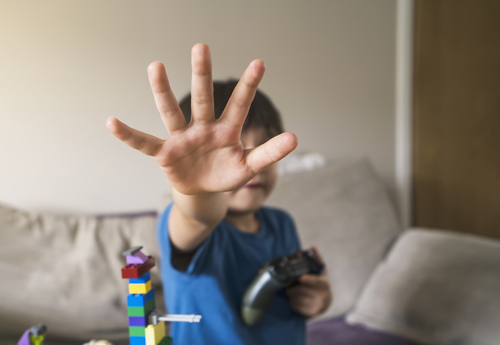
[276, 275]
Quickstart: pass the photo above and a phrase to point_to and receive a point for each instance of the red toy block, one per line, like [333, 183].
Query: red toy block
[136, 270]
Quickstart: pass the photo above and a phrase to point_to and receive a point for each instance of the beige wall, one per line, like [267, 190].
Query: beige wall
[68, 65]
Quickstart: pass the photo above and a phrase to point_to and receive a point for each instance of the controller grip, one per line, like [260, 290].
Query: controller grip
[258, 296]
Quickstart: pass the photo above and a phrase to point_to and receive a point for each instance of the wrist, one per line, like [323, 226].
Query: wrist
[208, 208]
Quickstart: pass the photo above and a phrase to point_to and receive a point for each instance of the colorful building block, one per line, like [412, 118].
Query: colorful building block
[139, 288]
[132, 259]
[134, 340]
[155, 334]
[136, 251]
[39, 329]
[33, 336]
[137, 321]
[140, 300]
[132, 250]
[166, 341]
[141, 311]
[141, 255]
[138, 270]
[137, 331]
[25, 338]
[36, 339]
[145, 328]
[141, 280]
[153, 317]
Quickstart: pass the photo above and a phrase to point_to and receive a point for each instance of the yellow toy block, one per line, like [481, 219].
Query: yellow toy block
[139, 288]
[38, 340]
[155, 334]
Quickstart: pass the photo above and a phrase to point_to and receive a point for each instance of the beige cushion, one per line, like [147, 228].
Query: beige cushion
[345, 211]
[436, 287]
[65, 271]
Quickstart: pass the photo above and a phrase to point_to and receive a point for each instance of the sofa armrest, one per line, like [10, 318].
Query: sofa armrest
[436, 287]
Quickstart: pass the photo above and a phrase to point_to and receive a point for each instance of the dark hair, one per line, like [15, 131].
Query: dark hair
[262, 112]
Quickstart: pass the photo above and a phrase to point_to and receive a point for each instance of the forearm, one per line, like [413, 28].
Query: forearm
[193, 217]
[208, 208]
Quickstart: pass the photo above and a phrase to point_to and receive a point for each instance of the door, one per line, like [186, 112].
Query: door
[456, 112]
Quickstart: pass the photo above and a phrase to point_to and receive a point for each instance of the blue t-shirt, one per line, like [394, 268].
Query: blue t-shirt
[217, 277]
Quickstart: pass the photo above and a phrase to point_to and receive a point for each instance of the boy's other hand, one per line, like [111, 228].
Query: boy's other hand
[205, 155]
[313, 295]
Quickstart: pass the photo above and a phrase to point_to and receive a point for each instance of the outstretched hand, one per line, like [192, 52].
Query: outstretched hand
[205, 155]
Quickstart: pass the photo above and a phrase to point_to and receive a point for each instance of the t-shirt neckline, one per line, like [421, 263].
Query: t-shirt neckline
[257, 235]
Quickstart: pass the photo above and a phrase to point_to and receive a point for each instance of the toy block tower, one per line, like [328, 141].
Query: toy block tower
[141, 300]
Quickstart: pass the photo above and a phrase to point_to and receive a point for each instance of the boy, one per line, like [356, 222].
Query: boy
[216, 235]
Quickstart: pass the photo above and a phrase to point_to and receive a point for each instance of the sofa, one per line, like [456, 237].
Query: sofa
[391, 285]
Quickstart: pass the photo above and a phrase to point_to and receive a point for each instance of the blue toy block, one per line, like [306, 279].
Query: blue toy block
[138, 321]
[135, 340]
[140, 300]
[141, 280]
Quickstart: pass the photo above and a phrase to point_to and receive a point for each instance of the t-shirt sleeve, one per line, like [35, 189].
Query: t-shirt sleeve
[182, 262]
[180, 259]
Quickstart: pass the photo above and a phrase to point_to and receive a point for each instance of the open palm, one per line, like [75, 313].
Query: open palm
[205, 155]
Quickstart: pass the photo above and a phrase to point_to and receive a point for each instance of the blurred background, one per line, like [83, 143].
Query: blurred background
[69, 65]
[409, 90]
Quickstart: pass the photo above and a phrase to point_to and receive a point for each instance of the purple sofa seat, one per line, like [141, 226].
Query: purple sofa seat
[338, 332]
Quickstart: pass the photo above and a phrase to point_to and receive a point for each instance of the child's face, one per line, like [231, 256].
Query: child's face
[252, 195]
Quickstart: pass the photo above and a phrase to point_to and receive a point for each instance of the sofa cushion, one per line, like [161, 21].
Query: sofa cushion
[65, 271]
[337, 331]
[344, 210]
[436, 287]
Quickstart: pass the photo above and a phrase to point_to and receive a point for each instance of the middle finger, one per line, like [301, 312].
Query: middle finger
[202, 94]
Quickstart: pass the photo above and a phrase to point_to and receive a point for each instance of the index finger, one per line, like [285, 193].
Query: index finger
[312, 280]
[242, 97]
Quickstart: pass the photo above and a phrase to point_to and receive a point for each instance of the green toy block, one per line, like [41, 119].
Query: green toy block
[137, 331]
[141, 311]
[166, 341]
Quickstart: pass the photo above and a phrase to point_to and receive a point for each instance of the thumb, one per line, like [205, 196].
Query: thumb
[273, 150]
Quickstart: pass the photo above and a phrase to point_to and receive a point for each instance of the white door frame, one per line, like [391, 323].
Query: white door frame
[403, 107]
